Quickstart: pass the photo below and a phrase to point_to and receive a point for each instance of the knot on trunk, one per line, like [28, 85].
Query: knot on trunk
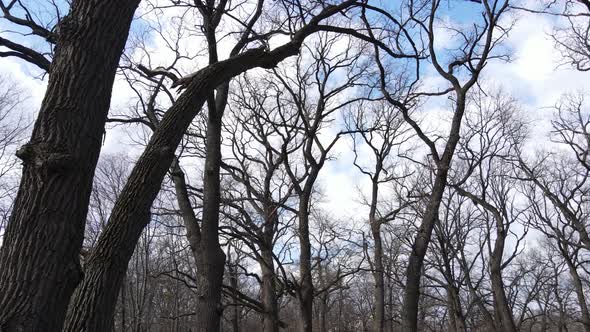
[42, 155]
[66, 28]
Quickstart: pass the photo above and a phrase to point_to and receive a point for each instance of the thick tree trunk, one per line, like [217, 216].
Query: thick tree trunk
[305, 293]
[39, 260]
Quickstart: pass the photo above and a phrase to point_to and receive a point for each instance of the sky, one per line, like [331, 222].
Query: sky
[533, 76]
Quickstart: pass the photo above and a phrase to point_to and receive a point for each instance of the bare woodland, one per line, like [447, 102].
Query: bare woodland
[217, 220]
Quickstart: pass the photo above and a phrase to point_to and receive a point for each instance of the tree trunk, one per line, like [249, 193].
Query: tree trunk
[270, 321]
[501, 306]
[39, 260]
[416, 259]
[455, 313]
[233, 280]
[323, 314]
[94, 299]
[579, 288]
[210, 267]
[305, 293]
[379, 314]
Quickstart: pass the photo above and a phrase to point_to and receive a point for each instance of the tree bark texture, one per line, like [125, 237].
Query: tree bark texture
[39, 260]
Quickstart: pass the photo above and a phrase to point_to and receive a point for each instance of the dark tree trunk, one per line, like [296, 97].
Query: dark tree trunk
[323, 314]
[305, 293]
[379, 319]
[233, 280]
[210, 268]
[456, 318]
[323, 299]
[270, 321]
[579, 288]
[487, 317]
[39, 260]
[416, 259]
[191, 223]
[501, 306]
[455, 312]
[92, 305]
[378, 270]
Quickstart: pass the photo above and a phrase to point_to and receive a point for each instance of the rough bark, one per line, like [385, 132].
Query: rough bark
[93, 303]
[39, 260]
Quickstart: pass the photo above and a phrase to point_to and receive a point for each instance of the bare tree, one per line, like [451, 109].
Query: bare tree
[314, 95]
[260, 191]
[381, 128]
[13, 128]
[475, 50]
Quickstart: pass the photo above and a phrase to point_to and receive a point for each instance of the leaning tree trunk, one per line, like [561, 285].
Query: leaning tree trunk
[414, 269]
[501, 305]
[416, 259]
[93, 302]
[39, 260]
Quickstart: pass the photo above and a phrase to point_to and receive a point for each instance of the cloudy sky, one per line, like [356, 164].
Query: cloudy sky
[534, 76]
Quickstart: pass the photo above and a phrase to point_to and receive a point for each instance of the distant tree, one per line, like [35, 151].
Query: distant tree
[13, 128]
[475, 49]
[381, 128]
